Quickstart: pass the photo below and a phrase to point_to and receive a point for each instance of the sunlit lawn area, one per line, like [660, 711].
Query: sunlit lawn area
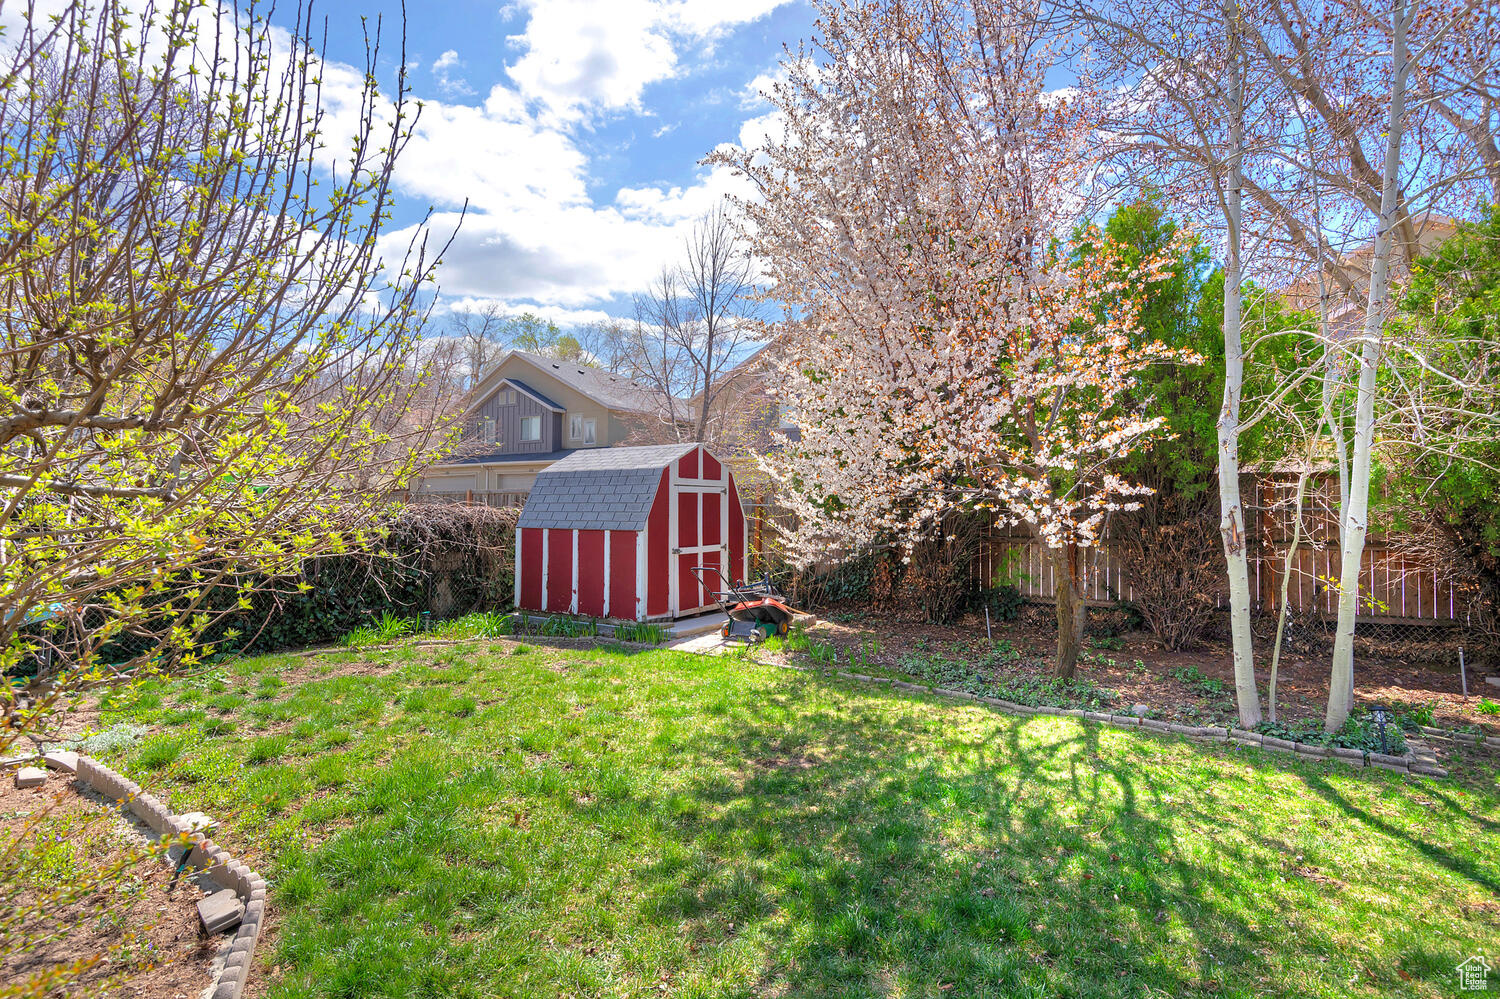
[493, 819]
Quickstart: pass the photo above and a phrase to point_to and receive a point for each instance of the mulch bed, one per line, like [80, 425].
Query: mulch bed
[148, 935]
[1140, 671]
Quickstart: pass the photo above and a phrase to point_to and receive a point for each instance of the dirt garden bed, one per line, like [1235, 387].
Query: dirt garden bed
[1121, 671]
[127, 927]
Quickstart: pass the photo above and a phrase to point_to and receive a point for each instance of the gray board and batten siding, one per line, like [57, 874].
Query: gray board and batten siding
[507, 417]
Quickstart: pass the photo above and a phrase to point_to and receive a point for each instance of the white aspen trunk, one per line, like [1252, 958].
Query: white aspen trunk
[1357, 508]
[1333, 380]
[1232, 511]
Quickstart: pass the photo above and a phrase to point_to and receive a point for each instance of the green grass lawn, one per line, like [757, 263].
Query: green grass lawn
[493, 819]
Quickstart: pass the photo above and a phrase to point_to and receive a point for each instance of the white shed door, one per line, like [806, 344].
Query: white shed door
[700, 527]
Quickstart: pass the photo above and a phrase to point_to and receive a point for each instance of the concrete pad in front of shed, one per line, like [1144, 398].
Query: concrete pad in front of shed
[698, 624]
[710, 644]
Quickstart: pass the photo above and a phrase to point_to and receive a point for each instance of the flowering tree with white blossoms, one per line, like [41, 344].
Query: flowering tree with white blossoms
[949, 356]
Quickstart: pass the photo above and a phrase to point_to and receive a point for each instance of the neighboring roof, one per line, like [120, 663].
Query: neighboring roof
[496, 458]
[1288, 466]
[751, 365]
[521, 386]
[1432, 231]
[609, 390]
[600, 489]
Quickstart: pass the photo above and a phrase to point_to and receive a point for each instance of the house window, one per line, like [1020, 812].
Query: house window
[581, 428]
[531, 428]
[489, 430]
[507, 397]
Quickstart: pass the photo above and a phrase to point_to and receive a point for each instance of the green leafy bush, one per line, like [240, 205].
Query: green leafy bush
[443, 560]
[1411, 716]
[1194, 677]
[1005, 601]
[1358, 732]
[849, 580]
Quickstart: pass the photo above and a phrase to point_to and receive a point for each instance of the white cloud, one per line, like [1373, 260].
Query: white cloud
[549, 313]
[752, 96]
[535, 237]
[495, 156]
[713, 18]
[675, 206]
[569, 256]
[448, 81]
[581, 57]
[533, 232]
[538, 236]
[762, 129]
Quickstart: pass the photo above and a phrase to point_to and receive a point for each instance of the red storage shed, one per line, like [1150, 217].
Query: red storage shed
[614, 532]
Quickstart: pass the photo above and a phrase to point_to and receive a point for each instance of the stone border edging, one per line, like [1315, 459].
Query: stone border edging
[204, 854]
[1420, 759]
[1471, 740]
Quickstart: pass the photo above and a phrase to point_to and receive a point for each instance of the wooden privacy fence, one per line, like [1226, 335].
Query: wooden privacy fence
[763, 520]
[1398, 583]
[1403, 589]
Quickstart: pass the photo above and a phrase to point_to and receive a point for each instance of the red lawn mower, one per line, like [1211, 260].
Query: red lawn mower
[753, 611]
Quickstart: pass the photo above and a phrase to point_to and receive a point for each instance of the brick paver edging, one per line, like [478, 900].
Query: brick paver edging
[205, 855]
[1419, 759]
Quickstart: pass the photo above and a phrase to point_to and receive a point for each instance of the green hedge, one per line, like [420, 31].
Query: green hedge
[438, 561]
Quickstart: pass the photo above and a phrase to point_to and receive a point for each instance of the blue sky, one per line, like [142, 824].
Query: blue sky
[575, 128]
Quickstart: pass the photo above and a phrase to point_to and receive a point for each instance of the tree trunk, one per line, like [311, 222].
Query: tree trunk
[1232, 513]
[1286, 578]
[1072, 609]
[1357, 511]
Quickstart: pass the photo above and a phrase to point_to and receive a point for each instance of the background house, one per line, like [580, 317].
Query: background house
[529, 411]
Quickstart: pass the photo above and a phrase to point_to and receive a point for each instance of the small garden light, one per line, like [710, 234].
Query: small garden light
[1381, 713]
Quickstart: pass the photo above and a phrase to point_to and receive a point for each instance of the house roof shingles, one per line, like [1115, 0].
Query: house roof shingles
[600, 489]
[506, 458]
[534, 394]
[610, 390]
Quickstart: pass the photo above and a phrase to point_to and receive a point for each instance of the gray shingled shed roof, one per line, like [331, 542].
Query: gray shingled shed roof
[600, 489]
